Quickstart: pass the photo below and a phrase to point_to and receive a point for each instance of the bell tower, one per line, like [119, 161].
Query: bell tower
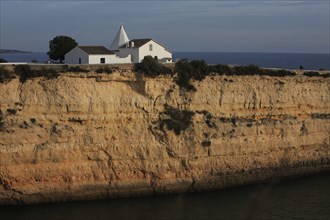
[120, 39]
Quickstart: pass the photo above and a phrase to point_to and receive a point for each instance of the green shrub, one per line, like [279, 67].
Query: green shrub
[176, 120]
[311, 74]
[206, 143]
[247, 70]
[185, 71]
[65, 68]
[104, 70]
[47, 73]
[196, 69]
[278, 73]
[327, 75]
[208, 118]
[221, 69]
[3, 60]
[11, 111]
[320, 116]
[77, 69]
[200, 69]
[5, 75]
[255, 70]
[25, 72]
[151, 67]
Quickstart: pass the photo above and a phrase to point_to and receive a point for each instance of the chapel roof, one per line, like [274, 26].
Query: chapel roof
[137, 42]
[95, 50]
[120, 39]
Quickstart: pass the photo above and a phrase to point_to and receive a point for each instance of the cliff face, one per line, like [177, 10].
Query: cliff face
[86, 136]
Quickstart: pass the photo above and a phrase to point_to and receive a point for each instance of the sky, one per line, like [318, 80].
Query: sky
[292, 26]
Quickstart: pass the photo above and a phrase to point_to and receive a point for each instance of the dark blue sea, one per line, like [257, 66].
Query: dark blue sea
[300, 198]
[272, 60]
[25, 57]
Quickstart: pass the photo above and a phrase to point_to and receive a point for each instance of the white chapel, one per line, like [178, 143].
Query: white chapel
[122, 50]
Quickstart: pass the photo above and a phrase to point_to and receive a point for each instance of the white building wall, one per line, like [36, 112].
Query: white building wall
[109, 59]
[133, 52]
[157, 50]
[116, 59]
[96, 58]
[125, 55]
[72, 57]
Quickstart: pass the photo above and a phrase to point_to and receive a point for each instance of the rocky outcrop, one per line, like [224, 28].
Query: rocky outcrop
[87, 136]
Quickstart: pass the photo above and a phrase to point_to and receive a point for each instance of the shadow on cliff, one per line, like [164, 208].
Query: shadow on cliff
[139, 85]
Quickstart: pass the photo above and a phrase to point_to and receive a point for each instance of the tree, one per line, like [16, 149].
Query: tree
[59, 46]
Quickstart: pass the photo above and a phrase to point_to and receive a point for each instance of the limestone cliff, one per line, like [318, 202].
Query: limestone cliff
[89, 135]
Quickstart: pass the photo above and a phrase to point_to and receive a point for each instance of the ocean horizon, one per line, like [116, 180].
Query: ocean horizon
[308, 61]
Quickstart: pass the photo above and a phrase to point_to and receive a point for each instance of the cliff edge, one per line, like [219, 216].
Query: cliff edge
[88, 135]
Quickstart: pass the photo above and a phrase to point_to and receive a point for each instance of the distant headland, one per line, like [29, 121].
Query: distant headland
[13, 51]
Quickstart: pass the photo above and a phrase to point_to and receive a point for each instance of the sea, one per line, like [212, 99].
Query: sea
[300, 198]
[271, 60]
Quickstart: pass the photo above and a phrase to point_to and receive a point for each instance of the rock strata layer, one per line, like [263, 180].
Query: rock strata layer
[87, 136]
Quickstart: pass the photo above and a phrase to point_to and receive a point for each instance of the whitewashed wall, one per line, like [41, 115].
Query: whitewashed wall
[157, 50]
[116, 59]
[96, 59]
[133, 52]
[125, 55]
[72, 57]
[109, 59]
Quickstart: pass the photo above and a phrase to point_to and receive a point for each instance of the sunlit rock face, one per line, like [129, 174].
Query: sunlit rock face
[88, 135]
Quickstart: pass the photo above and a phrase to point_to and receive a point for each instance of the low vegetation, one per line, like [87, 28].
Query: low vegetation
[208, 118]
[25, 72]
[320, 116]
[75, 69]
[5, 75]
[199, 69]
[206, 143]
[185, 70]
[255, 70]
[176, 120]
[104, 70]
[311, 74]
[316, 74]
[151, 67]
